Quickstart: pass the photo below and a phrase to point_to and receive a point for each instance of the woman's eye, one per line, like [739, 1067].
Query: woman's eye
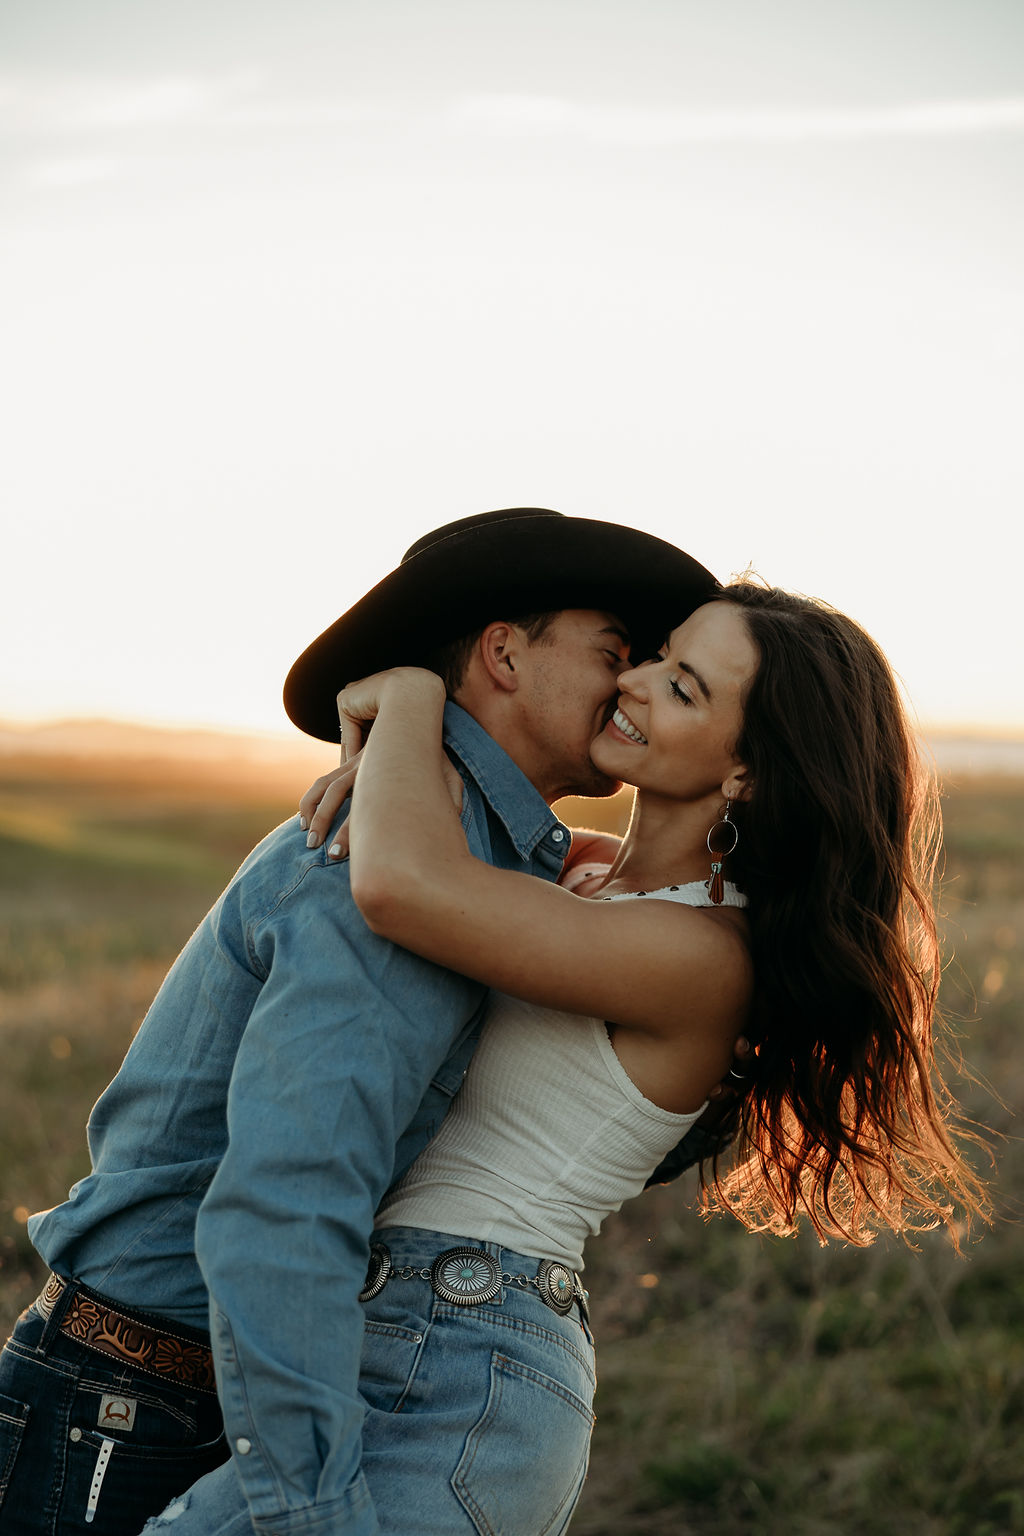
[679, 692]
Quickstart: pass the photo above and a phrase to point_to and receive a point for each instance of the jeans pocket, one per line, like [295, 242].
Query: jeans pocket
[143, 1414]
[390, 1353]
[120, 1484]
[13, 1418]
[526, 1458]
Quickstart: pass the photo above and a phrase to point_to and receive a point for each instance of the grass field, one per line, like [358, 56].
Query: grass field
[747, 1385]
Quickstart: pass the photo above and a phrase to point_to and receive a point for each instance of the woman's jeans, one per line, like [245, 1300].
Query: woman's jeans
[478, 1418]
[87, 1443]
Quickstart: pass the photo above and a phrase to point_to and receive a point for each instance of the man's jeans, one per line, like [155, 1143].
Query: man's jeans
[478, 1418]
[69, 1462]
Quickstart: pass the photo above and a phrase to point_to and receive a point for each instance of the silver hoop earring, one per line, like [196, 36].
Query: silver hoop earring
[720, 833]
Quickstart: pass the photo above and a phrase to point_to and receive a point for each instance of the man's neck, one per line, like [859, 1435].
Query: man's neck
[498, 725]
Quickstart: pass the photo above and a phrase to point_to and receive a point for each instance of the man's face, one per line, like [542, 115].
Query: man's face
[569, 693]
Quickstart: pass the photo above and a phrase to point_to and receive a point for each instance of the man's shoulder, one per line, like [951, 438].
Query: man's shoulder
[278, 865]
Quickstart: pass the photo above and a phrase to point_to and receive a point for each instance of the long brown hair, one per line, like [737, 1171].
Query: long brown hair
[849, 1121]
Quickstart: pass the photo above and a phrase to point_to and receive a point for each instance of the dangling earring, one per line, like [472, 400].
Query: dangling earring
[716, 884]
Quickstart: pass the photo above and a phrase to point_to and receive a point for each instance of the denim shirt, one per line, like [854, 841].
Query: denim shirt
[291, 1067]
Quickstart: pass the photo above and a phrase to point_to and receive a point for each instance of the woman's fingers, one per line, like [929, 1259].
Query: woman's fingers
[351, 733]
[314, 794]
[360, 702]
[339, 843]
[336, 789]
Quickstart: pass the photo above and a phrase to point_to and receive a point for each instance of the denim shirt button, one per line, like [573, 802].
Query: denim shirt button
[243, 1446]
[558, 836]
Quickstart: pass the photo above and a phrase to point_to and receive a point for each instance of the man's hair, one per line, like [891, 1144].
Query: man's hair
[451, 661]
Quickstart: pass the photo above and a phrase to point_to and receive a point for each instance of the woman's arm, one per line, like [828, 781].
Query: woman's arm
[654, 967]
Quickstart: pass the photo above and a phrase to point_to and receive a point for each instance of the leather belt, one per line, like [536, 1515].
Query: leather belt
[468, 1277]
[145, 1344]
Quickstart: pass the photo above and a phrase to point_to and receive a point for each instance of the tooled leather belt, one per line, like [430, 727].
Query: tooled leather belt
[141, 1342]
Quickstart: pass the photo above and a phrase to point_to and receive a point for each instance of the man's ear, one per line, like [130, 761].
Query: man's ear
[499, 652]
[739, 785]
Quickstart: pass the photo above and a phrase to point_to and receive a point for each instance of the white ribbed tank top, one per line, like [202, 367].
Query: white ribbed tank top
[547, 1134]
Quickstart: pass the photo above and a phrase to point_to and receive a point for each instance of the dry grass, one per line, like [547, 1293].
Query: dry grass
[747, 1385]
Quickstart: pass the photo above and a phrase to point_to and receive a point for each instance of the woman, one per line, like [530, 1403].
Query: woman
[774, 879]
[769, 729]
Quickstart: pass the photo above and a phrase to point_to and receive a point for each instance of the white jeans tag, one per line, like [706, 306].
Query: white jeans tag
[117, 1412]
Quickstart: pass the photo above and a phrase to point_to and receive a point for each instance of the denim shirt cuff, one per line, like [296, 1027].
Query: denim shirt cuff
[351, 1515]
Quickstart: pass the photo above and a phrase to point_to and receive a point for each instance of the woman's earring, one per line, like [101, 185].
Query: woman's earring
[720, 834]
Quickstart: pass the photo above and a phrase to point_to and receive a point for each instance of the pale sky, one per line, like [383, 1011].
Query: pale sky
[285, 285]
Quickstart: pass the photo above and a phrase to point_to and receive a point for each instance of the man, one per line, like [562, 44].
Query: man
[293, 1064]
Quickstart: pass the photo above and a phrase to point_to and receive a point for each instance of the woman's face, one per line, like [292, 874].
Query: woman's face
[680, 714]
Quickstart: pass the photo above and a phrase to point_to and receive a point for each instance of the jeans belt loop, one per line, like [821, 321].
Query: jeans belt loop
[52, 1303]
[469, 1277]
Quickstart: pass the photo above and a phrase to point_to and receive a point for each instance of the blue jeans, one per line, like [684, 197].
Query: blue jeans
[65, 1413]
[478, 1418]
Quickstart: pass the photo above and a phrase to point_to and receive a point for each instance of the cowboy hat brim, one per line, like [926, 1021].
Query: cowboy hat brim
[500, 566]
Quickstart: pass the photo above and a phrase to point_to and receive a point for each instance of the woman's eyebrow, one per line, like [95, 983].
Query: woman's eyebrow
[684, 666]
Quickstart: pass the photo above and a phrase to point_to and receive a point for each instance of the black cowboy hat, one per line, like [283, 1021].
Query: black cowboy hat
[498, 565]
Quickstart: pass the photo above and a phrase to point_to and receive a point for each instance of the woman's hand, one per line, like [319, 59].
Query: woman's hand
[359, 704]
[322, 802]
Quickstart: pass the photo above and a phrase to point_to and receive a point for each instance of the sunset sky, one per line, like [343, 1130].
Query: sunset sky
[286, 284]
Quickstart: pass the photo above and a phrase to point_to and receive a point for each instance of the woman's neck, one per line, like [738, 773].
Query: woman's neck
[665, 844]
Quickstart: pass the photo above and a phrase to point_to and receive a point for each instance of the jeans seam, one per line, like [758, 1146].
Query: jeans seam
[482, 1427]
[252, 927]
[549, 1384]
[522, 1326]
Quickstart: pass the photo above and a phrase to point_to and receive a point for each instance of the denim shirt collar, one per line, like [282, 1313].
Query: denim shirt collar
[525, 814]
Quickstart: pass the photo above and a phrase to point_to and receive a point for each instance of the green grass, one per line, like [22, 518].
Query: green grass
[747, 1385]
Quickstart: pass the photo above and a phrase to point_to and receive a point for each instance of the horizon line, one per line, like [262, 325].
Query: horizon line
[23, 725]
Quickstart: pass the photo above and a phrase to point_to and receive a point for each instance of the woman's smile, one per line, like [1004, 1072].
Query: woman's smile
[625, 727]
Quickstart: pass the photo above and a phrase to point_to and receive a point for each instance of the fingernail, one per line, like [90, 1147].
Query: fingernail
[335, 850]
[313, 840]
[303, 823]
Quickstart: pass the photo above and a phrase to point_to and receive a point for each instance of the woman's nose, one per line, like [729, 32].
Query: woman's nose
[635, 681]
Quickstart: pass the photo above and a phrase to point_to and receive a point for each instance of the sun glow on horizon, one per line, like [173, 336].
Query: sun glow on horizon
[278, 304]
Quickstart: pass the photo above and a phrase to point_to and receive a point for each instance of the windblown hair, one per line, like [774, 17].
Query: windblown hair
[849, 1121]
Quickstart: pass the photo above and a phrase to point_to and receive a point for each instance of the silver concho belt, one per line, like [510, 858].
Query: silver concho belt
[468, 1277]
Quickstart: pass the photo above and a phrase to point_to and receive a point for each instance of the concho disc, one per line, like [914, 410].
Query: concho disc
[465, 1276]
[377, 1272]
[557, 1286]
